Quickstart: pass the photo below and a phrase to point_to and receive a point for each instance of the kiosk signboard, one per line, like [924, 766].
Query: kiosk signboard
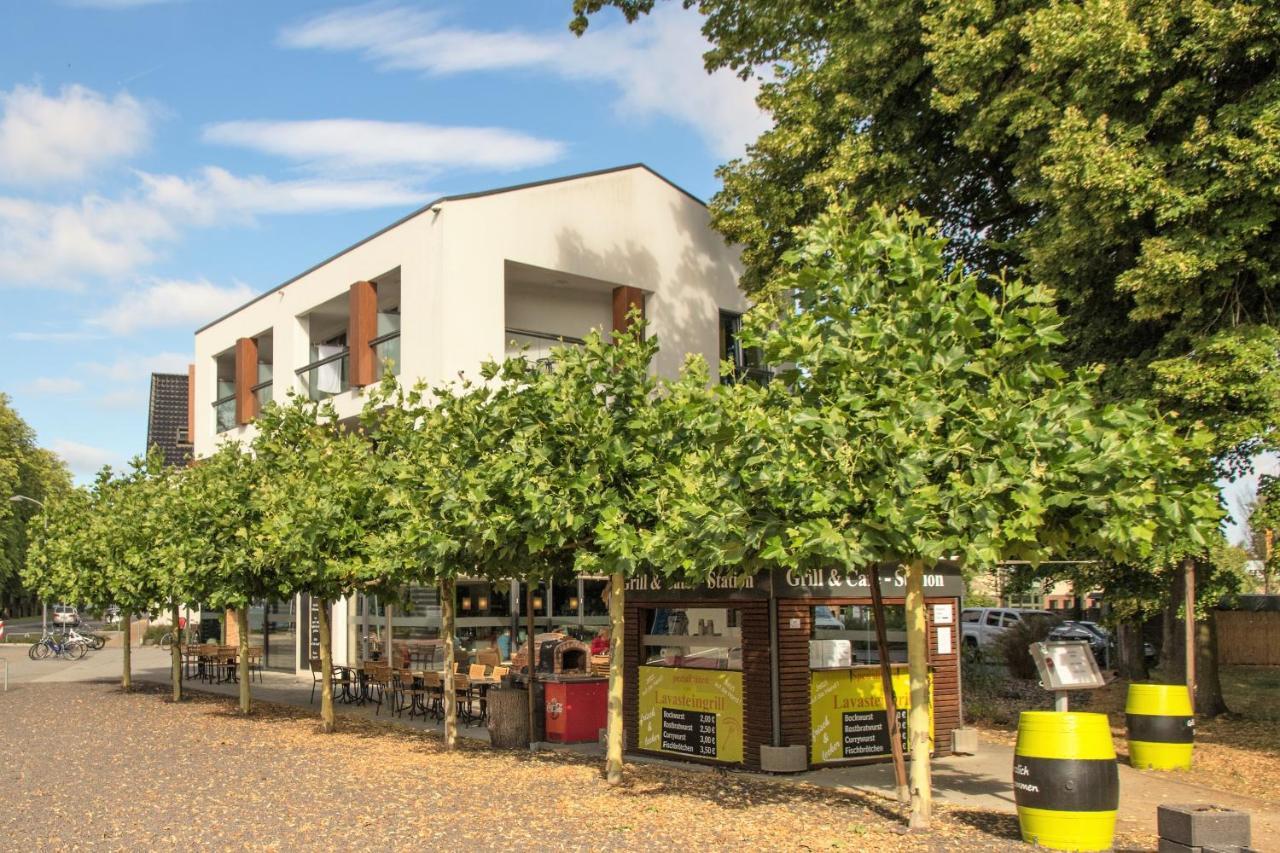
[848, 719]
[696, 713]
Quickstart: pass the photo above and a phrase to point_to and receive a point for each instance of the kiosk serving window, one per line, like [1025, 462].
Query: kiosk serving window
[845, 635]
[693, 637]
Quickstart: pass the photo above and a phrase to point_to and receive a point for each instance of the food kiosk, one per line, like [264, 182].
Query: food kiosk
[781, 663]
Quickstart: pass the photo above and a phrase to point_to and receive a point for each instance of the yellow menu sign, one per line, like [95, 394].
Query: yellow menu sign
[691, 712]
[847, 713]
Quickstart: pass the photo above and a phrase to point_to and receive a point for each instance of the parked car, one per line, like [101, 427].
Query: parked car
[1097, 639]
[66, 615]
[980, 627]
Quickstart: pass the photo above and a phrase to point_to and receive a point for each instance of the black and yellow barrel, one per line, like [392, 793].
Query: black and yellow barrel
[1065, 781]
[1161, 726]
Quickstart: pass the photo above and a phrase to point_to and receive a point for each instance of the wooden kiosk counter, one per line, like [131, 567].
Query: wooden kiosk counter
[716, 672]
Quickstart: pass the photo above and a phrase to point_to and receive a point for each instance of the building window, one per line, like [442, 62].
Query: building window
[850, 632]
[745, 363]
[693, 637]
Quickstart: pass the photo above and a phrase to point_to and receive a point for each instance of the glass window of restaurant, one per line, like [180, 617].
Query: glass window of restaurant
[273, 628]
[485, 613]
[692, 637]
[854, 625]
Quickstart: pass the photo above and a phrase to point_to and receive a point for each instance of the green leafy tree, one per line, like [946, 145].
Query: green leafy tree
[316, 503]
[33, 472]
[227, 569]
[922, 416]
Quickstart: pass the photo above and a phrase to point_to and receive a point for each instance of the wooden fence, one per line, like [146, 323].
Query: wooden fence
[1249, 637]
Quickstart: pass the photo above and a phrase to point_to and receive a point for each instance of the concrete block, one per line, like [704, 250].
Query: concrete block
[1197, 825]
[964, 741]
[783, 759]
[1167, 846]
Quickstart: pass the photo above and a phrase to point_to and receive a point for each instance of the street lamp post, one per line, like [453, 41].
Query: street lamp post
[44, 613]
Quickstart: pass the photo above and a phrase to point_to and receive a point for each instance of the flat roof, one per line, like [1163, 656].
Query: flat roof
[457, 197]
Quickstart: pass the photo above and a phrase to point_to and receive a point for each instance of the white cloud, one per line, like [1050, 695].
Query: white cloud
[55, 385]
[215, 195]
[655, 64]
[136, 368]
[84, 460]
[346, 143]
[171, 302]
[62, 137]
[56, 245]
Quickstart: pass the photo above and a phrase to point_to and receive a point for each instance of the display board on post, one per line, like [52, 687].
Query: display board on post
[1066, 665]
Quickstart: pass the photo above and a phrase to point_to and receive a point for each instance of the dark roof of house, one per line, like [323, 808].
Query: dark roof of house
[167, 418]
[456, 197]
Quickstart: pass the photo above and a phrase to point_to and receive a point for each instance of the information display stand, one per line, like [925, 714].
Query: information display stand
[1066, 665]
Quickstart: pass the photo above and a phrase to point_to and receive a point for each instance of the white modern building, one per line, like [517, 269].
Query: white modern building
[464, 279]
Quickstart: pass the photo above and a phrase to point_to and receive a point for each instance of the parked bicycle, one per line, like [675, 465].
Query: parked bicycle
[190, 635]
[90, 639]
[59, 646]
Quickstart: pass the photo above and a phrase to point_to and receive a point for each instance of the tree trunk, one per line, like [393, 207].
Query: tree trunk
[1173, 668]
[532, 666]
[126, 676]
[326, 667]
[613, 752]
[242, 657]
[175, 650]
[1209, 700]
[918, 674]
[1189, 624]
[450, 693]
[886, 684]
[1132, 662]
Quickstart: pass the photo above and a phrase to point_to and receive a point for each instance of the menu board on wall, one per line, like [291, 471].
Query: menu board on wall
[691, 712]
[847, 712]
[315, 630]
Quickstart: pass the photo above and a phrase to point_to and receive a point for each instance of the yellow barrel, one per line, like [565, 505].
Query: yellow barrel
[1161, 726]
[1065, 781]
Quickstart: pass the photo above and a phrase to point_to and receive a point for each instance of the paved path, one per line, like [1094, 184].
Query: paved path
[978, 782]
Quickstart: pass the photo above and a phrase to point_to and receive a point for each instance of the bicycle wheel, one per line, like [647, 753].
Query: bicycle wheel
[75, 651]
[98, 642]
[40, 650]
[166, 642]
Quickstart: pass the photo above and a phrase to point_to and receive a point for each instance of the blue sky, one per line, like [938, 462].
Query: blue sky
[161, 161]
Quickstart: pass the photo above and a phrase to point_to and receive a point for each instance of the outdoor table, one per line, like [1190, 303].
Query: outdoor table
[352, 684]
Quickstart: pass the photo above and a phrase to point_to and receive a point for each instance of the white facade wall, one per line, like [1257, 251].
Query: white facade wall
[625, 227]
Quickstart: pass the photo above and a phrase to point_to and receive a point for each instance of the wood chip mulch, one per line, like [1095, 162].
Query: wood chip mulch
[88, 767]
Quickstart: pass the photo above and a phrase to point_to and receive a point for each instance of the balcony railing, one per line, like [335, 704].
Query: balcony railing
[263, 393]
[386, 348]
[536, 346]
[326, 376]
[224, 413]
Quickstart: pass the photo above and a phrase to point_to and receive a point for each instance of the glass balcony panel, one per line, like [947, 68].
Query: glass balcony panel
[264, 394]
[326, 378]
[224, 414]
[384, 351]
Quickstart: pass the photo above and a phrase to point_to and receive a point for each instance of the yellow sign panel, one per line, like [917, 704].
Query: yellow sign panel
[691, 712]
[847, 713]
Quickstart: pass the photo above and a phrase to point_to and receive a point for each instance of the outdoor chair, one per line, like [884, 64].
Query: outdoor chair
[476, 670]
[378, 679]
[499, 672]
[255, 662]
[433, 685]
[463, 695]
[317, 674]
[412, 693]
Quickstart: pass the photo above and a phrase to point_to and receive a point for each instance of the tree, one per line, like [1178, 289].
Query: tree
[921, 416]
[1264, 524]
[34, 473]
[316, 503]
[227, 568]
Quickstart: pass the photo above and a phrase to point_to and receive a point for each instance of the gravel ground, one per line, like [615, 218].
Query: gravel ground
[86, 767]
